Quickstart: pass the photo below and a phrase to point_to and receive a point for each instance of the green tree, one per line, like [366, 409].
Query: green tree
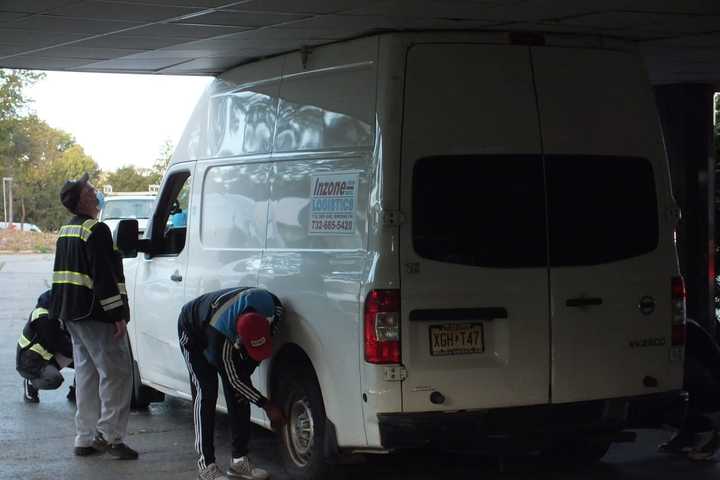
[41, 186]
[12, 95]
[128, 179]
[161, 163]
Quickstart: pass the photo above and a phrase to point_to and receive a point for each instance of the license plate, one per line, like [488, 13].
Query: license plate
[456, 339]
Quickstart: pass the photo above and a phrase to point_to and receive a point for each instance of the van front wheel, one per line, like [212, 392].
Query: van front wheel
[303, 436]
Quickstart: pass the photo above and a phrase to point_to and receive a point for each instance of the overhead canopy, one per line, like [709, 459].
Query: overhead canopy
[680, 39]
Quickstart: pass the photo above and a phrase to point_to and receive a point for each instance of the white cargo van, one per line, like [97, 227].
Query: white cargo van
[472, 234]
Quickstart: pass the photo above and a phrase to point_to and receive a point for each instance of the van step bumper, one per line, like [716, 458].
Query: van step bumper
[526, 428]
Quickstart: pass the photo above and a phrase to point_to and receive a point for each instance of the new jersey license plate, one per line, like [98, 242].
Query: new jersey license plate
[456, 339]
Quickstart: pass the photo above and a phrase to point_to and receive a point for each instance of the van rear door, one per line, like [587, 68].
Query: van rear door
[474, 282]
[611, 252]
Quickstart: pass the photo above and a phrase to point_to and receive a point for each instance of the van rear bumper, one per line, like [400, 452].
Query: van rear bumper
[519, 427]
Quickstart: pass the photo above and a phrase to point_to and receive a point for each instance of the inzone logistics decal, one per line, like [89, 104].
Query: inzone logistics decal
[332, 204]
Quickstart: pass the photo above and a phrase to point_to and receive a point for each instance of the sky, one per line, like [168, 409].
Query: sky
[118, 119]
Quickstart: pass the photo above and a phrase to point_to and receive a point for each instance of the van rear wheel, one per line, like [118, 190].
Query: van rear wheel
[576, 453]
[303, 437]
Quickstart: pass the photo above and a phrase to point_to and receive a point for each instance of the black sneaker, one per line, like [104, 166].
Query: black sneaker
[85, 451]
[71, 394]
[122, 451]
[30, 393]
[706, 451]
[680, 444]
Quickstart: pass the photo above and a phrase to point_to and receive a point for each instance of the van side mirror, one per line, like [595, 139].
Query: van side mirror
[127, 239]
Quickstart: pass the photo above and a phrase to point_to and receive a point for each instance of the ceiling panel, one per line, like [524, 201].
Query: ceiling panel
[679, 38]
[90, 53]
[242, 19]
[135, 64]
[47, 62]
[307, 6]
[201, 65]
[32, 6]
[139, 42]
[187, 32]
[10, 50]
[101, 10]
[706, 40]
[32, 40]
[359, 23]
[182, 3]
[6, 17]
[665, 23]
[460, 10]
[54, 24]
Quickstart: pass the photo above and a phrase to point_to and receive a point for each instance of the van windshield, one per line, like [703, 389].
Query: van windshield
[492, 210]
[128, 208]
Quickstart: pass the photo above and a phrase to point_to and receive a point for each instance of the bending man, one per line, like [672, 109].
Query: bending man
[228, 332]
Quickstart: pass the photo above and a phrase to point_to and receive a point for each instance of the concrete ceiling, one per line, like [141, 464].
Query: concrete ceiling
[680, 39]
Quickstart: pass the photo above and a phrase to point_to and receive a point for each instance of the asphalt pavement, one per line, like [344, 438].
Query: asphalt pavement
[36, 440]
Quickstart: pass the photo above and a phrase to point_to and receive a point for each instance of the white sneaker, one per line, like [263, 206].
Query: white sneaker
[211, 472]
[244, 469]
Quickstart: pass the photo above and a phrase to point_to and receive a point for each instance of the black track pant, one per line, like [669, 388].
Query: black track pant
[204, 385]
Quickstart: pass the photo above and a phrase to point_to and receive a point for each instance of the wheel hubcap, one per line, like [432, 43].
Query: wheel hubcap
[301, 432]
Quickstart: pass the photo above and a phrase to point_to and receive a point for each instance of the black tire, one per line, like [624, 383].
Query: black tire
[576, 453]
[140, 399]
[302, 451]
[142, 396]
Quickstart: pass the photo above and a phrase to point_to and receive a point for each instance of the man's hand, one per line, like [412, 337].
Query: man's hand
[277, 419]
[120, 329]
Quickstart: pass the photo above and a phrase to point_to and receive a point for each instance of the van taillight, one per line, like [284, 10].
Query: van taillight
[382, 327]
[679, 296]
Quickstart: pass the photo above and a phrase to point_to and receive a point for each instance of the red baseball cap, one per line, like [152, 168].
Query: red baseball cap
[254, 330]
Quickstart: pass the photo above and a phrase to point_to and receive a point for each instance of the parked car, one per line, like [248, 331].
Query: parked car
[28, 227]
[121, 206]
[473, 237]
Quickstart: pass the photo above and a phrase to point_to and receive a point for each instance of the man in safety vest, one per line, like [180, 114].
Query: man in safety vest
[228, 333]
[44, 348]
[89, 297]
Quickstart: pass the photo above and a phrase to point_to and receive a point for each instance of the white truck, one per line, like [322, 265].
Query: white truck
[127, 205]
[472, 234]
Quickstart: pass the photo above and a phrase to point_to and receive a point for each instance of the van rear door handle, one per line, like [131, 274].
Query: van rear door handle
[584, 302]
[176, 277]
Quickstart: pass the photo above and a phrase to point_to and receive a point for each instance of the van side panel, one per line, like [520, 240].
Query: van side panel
[316, 255]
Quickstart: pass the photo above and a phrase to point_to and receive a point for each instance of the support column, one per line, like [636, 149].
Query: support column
[686, 114]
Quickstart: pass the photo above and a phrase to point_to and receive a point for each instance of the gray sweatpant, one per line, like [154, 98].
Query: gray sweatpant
[103, 381]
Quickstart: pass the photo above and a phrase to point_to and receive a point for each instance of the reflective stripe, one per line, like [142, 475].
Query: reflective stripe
[112, 306]
[122, 289]
[72, 278]
[37, 313]
[37, 348]
[88, 224]
[82, 232]
[106, 301]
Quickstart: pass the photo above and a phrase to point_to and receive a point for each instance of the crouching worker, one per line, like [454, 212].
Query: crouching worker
[44, 348]
[702, 382]
[228, 332]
